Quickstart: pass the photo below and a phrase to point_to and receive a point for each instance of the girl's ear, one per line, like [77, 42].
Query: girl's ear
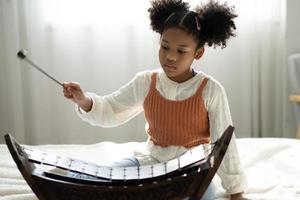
[199, 53]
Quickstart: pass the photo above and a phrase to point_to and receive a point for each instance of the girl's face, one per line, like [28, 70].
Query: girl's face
[176, 54]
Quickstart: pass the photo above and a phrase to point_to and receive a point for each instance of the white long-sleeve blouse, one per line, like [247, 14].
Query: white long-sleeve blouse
[127, 102]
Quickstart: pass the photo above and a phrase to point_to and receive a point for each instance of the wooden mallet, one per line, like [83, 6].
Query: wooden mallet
[22, 54]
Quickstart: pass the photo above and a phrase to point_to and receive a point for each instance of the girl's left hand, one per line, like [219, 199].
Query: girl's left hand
[238, 196]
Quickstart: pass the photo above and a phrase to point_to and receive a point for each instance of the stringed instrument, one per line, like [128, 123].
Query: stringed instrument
[186, 176]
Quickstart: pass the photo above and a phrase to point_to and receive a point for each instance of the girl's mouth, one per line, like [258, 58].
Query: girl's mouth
[170, 67]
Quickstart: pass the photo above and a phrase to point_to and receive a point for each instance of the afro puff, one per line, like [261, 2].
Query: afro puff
[162, 9]
[217, 23]
[211, 23]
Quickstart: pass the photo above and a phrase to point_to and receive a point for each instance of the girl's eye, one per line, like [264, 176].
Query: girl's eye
[164, 47]
[181, 51]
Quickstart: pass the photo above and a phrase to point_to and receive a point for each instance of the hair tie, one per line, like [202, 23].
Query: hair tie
[197, 23]
[169, 17]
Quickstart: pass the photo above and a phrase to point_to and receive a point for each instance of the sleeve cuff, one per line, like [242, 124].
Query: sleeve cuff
[81, 111]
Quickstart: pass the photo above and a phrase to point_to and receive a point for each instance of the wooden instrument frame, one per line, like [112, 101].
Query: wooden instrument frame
[191, 181]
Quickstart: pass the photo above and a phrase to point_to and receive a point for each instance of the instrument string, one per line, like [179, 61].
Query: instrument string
[83, 167]
[97, 171]
[138, 170]
[152, 171]
[43, 158]
[124, 173]
[70, 164]
[110, 174]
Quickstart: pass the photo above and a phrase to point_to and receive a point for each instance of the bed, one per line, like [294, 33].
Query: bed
[272, 166]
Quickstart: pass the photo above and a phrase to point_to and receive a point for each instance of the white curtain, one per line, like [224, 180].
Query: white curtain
[102, 44]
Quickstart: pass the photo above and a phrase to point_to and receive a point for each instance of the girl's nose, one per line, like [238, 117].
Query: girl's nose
[171, 57]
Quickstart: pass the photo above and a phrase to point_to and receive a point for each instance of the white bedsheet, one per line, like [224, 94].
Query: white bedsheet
[272, 166]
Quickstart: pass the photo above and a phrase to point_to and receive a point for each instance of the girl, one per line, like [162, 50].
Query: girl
[183, 108]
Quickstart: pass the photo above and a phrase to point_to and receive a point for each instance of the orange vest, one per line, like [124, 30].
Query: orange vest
[176, 122]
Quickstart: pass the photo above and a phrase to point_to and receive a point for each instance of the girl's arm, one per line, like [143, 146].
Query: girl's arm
[116, 108]
[231, 173]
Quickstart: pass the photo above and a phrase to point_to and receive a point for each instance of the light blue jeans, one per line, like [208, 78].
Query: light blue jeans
[126, 162]
[210, 193]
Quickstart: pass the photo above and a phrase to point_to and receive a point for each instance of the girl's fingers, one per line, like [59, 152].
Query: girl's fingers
[73, 91]
[69, 96]
[73, 85]
[68, 93]
[74, 94]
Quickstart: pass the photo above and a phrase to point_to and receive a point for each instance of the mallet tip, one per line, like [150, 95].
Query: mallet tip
[22, 54]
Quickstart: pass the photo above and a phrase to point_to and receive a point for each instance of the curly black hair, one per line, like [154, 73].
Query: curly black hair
[211, 23]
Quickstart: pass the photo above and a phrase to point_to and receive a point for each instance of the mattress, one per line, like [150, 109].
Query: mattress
[272, 166]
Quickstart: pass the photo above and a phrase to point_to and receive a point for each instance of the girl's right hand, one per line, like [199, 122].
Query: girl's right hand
[73, 91]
